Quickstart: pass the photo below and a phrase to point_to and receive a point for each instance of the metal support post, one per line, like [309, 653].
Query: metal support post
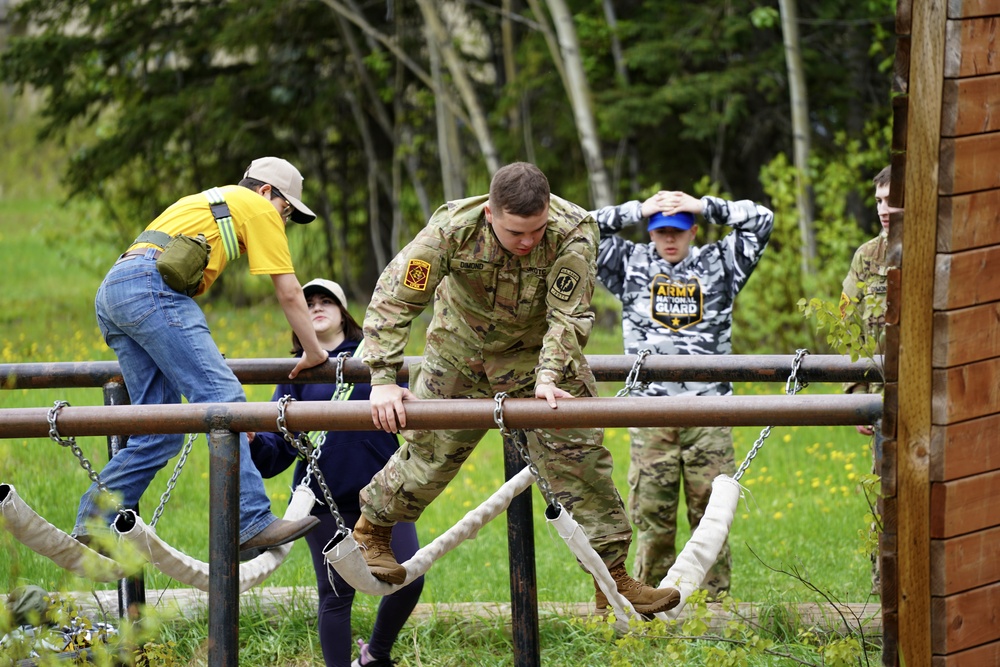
[131, 590]
[521, 553]
[223, 548]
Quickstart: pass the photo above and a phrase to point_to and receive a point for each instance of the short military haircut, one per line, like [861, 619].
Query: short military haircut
[883, 177]
[520, 189]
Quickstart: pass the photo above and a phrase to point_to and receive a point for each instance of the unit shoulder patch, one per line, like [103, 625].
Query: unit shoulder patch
[417, 273]
[564, 284]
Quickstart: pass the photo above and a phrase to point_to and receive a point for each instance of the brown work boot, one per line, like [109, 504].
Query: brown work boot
[278, 532]
[645, 599]
[376, 547]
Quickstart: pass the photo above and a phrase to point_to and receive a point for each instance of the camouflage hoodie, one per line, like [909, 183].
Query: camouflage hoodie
[683, 308]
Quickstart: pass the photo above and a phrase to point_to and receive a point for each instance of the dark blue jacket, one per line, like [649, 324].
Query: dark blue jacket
[348, 460]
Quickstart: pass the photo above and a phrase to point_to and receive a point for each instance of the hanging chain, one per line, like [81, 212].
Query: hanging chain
[339, 394]
[792, 387]
[75, 448]
[311, 454]
[165, 498]
[632, 380]
[520, 441]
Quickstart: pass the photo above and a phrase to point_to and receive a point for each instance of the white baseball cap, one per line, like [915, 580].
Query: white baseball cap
[286, 179]
[328, 286]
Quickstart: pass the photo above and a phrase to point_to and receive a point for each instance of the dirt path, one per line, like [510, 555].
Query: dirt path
[185, 601]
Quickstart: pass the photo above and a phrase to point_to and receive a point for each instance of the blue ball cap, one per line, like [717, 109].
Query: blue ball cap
[683, 220]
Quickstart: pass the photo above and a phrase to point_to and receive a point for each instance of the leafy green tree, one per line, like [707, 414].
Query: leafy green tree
[174, 97]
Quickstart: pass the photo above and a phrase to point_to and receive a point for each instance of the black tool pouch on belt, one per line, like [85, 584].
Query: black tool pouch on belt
[182, 263]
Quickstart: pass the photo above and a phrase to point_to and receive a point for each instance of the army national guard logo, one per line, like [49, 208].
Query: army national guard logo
[417, 272]
[564, 284]
[675, 305]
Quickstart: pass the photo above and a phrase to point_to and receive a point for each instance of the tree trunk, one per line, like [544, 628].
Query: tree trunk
[800, 132]
[579, 94]
[462, 83]
[626, 147]
[382, 115]
[447, 136]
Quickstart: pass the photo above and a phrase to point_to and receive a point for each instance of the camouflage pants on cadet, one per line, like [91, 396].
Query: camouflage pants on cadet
[574, 461]
[661, 457]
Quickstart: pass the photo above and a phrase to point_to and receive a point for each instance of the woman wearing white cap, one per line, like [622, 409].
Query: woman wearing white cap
[348, 460]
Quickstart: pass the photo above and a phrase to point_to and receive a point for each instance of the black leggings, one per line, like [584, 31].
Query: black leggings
[335, 605]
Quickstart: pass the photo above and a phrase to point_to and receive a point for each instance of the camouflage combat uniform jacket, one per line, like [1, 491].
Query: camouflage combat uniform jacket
[683, 308]
[866, 284]
[490, 307]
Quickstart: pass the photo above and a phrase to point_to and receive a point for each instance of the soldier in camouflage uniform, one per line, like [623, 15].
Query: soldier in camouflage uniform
[678, 299]
[511, 275]
[865, 286]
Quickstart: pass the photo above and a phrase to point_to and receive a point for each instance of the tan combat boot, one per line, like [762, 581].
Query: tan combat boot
[645, 599]
[375, 543]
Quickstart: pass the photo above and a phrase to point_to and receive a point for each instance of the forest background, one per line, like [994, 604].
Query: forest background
[391, 108]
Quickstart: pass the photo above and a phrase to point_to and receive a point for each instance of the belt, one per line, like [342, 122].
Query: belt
[139, 252]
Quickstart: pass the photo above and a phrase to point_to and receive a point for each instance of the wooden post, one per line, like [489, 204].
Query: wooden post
[926, 74]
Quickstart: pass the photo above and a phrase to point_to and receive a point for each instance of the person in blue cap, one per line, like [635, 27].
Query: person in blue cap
[677, 298]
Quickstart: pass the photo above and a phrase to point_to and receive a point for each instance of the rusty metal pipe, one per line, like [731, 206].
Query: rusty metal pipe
[452, 414]
[607, 368]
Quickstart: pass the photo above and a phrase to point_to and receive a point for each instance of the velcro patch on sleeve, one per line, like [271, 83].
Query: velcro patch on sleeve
[417, 273]
[564, 284]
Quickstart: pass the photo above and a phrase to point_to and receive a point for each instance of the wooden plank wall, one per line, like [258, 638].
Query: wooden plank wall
[962, 463]
[964, 449]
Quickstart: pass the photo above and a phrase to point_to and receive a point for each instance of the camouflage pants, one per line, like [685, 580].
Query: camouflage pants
[661, 457]
[574, 461]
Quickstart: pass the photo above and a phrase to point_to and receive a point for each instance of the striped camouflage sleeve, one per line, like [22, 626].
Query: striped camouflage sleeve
[613, 251]
[753, 224]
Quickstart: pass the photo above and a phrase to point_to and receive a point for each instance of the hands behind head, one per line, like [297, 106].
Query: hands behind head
[670, 202]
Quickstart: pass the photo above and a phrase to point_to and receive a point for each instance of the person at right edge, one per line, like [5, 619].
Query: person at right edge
[865, 286]
[677, 298]
[510, 275]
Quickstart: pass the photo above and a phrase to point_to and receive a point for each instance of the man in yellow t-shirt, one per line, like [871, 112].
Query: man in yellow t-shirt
[166, 350]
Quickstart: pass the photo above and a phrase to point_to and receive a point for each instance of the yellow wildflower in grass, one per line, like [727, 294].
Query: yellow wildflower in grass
[787, 437]
[448, 490]
[778, 515]
[467, 503]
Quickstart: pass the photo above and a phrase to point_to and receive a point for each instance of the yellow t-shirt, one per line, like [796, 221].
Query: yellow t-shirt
[260, 231]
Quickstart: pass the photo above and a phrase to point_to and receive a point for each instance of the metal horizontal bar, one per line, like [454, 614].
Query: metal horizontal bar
[607, 368]
[450, 414]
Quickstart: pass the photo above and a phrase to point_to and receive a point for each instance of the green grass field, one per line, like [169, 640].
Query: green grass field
[803, 510]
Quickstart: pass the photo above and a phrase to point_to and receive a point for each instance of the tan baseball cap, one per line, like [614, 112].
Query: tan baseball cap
[328, 286]
[283, 176]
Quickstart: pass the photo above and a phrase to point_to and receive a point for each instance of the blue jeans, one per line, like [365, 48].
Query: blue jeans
[165, 350]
